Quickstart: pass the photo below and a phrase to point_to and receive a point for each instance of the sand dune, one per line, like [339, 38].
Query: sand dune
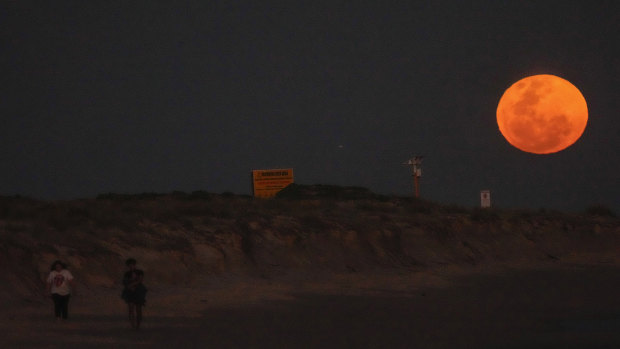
[226, 271]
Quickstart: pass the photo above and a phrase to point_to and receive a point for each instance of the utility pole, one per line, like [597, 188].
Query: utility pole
[416, 172]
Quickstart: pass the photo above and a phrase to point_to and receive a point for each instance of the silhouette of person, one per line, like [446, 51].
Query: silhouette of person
[134, 293]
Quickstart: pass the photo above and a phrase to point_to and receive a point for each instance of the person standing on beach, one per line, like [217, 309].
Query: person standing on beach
[59, 284]
[134, 293]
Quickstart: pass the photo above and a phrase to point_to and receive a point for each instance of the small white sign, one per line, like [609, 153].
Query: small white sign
[485, 198]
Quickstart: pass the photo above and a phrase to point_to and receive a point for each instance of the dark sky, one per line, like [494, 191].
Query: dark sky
[156, 96]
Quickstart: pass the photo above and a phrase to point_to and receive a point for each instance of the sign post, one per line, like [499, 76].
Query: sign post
[416, 173]
[485, 198]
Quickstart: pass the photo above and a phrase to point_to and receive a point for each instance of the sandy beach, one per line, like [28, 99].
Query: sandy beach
[567, 306]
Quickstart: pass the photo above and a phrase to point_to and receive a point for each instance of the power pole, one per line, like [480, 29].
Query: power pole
[416, 172]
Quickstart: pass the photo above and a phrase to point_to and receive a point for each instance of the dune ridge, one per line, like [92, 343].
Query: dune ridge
[205, 242]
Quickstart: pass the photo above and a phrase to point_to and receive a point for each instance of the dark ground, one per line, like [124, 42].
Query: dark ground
[564, 307]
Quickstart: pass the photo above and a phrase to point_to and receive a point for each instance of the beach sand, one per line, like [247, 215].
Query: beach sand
[553, 306]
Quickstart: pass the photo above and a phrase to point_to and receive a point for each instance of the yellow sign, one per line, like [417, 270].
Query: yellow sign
[267, 183]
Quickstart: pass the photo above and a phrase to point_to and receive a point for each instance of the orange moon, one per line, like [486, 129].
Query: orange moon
[542, 114]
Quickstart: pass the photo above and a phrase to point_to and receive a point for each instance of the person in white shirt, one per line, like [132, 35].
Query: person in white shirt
[59, 284]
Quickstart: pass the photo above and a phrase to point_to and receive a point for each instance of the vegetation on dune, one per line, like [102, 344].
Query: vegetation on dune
[319, 227]
[600, 210]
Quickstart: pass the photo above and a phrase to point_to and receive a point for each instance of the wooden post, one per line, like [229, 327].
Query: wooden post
[416, 172]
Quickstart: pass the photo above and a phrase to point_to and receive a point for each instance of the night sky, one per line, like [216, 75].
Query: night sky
[157, 96]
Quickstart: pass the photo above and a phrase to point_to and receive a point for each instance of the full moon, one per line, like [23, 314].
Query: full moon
[542, 114]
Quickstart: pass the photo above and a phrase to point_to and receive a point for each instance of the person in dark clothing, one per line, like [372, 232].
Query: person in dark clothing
[134, 293]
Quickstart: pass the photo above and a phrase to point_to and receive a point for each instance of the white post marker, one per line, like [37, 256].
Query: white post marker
[485, 198]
